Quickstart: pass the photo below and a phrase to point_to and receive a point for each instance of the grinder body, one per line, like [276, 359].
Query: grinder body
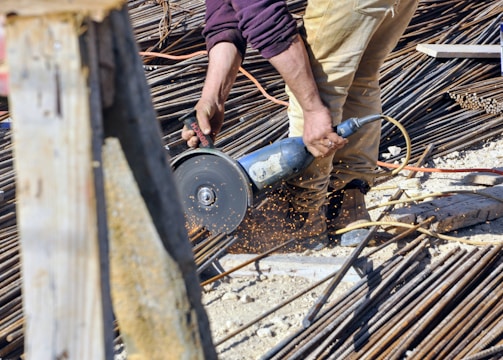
[288, 157]
[217, 190]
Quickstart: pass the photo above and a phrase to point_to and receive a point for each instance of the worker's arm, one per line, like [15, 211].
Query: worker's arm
[293, 65]
[226, 48]
[223, 65]
[269, 27]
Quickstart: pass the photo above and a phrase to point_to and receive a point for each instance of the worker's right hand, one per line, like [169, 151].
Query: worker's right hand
[319, 135]
[210, 117]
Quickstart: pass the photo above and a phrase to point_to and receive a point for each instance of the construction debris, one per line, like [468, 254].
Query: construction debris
[454, 211]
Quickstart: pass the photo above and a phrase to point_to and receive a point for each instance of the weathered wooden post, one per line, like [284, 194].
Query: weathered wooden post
[76, 79]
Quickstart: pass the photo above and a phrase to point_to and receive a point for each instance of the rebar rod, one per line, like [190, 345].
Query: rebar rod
[406, 296]
[466, 273]
[288, 346]
[437, 339]
[487, 354]
[383, 340]
[327, 335]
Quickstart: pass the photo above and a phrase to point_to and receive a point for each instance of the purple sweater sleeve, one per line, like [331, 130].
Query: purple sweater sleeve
[265, 24]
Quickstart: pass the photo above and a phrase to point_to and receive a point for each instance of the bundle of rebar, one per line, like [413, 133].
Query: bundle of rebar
[415, 86]
[485, 94]
[413, 306]
[11, 313]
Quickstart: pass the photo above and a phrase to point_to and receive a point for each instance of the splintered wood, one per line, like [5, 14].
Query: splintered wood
[56, 206]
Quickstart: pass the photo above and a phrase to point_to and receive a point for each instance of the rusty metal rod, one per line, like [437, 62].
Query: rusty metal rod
[489, 353]
[289, 346]
[489, 336]
[350, 261]
[432, 290]
[251, 261]
[467, 272]
[461, 318]
[326, 336]
[396, 303]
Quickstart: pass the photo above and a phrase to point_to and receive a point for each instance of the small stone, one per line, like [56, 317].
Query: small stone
[230, 296]
[247, 299]
[265, 332]
[394, 150]
[231, 324]
[281, 323]
[278, 319]
[263, 277]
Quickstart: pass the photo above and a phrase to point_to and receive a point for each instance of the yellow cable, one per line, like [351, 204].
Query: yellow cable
[407, 143]
[400, 167]
[421, 230]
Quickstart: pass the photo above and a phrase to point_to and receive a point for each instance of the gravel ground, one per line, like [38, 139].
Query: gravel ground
[239, 300]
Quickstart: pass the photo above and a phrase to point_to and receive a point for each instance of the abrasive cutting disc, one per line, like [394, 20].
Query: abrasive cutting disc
[214, 192]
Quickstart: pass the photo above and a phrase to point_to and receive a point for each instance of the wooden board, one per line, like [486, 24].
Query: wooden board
[460, 51]
[143, 275]
[454, 212]
[96, 9]
[56, 206]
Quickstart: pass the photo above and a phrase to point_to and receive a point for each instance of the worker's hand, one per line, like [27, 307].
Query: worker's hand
[4, 89]
[319, 136]
[210, 118]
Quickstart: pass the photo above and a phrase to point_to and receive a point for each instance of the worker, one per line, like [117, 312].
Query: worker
[331, 70]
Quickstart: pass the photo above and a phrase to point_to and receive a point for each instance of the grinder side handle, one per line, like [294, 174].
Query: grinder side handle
[190, 120]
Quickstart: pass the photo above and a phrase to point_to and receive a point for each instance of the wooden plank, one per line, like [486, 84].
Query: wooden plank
[144, 278]
[96, 9]
[454, 212]
[131, 118]
[56, 208]
[460, 51]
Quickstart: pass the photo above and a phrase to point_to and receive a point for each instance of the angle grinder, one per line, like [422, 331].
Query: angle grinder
[217, 190]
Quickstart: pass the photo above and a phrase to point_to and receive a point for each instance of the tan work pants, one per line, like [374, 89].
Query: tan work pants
[348, 41]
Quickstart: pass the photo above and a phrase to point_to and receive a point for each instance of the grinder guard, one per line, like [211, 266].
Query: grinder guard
[214, 190]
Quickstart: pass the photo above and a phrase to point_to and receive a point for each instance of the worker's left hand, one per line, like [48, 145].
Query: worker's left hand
[319, 135]
[210, 117]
